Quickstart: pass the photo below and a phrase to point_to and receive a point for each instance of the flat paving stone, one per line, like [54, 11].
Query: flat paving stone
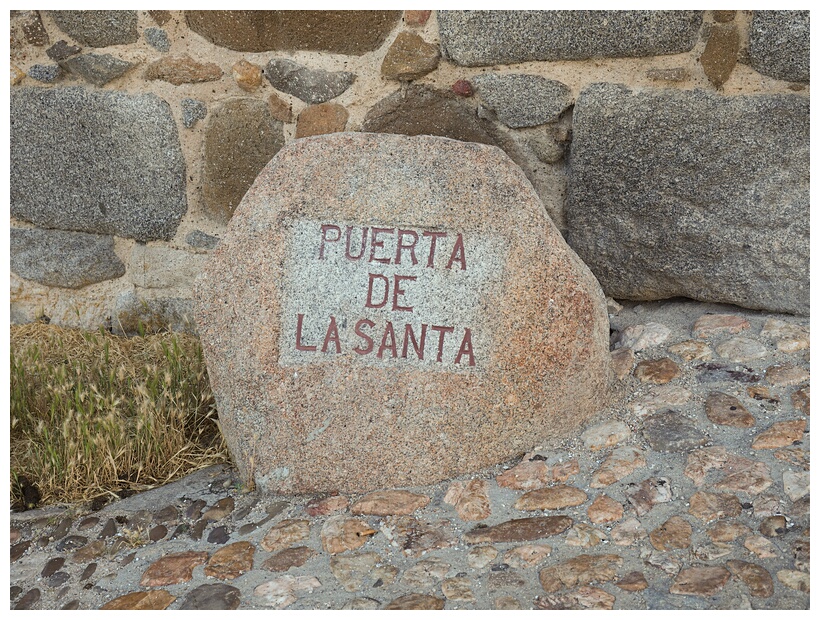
[153, 599]
[633, 582]
[519, 530]
[700, 581]
[384, 503]
[644, 496]
[657, 371]
[711, 506]
[470, 499]
[173, 568]
[583, 569]
[231, 561]
[281, 535]
[604, 509]
[714, 324]
[284, 591]
[693, 350]
[741, 349]
[216, 596]
[671, 432]
[482, 556]
[29, 599]
[780, 435]
[52, 566]
[527, 556]
[605, 435]
[351, 570]
[344, 534]
[326, 505]
[416, 601]
[551, 498]
[288, 558]
[619, 464]
[727, 410]
[526, 476]
[675, 533]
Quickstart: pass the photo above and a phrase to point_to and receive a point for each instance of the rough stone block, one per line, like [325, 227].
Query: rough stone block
[319, 119]
[98, 28]
[193, 110]
[17, 75]
[400, 307]
[62, 50]
[96, 161]
[240, 138]
[157, 38]
[340, 32]
[779, 44]
[247, 75]
[409, 58]
[161, 17]
[475, 38]
[33, 29]
[310, 85]
[182, 70]
[98, 69]
[280, 109]
[65, 259]
[523, 100]
[44, 73]
[693, 194]
[720, 54]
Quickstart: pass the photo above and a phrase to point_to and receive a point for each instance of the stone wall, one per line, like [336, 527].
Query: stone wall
[671, 148]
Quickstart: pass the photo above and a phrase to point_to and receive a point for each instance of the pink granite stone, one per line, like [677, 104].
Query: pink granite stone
[416, 362]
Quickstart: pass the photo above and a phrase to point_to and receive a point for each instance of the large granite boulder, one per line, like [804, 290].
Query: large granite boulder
[339, 32]
[387, 310]
[688, 193]
[98, 28]
[475, 38]
[522, 100]
[779, 44]
[62, 258]
[240, 138]
[101, 162]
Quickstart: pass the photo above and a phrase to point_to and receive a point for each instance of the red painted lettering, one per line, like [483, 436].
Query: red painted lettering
[458, 254]
[375, 243]
[409, 336]
[441, 332]
[412, 246]
[369, 303]
[398, 291]
[466, 348]
[433, 236]
[364, 350]
[326, 228]
[388, 331]
[299, 345]
[332, 335]
[348, 230]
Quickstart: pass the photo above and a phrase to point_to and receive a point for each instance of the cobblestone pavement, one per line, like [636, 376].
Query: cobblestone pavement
[690, 491]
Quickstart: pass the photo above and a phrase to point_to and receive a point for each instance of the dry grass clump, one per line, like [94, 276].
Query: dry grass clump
[92, 413]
